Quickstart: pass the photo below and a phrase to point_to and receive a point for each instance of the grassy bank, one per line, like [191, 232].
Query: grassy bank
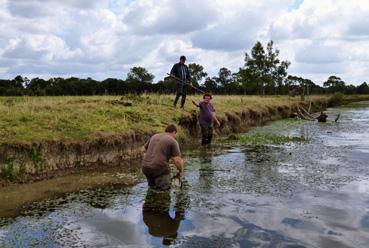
[36, 119]
[43, 137]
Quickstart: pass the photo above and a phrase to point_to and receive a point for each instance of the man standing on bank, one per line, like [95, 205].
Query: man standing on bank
[159, 150]
[180, 71]
[207, 117]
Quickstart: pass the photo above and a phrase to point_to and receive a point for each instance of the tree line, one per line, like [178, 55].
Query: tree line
[263, 73]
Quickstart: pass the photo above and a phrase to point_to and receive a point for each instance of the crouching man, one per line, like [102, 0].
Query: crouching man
[159, 150]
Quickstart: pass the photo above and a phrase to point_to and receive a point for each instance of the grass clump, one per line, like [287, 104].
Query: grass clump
[37, 160]
[8, 169]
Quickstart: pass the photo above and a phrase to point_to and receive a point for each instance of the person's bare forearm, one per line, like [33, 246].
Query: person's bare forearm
[178, 161]
[179, 166]
[195, 103]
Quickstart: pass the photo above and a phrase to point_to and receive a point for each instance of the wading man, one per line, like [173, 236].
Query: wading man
[207, 117]
[180, 71]
[159, 150]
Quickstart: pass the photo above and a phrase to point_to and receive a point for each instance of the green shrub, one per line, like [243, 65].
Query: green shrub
[337, 99]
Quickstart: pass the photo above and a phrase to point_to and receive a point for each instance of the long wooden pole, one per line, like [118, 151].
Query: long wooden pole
[185, 83]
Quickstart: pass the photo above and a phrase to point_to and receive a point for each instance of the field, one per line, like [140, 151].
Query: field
[67, 118]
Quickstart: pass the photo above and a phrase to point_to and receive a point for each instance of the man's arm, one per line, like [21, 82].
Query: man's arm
[195, 103]
[174, 70]
[188, 76]
[178, 161]
[176, 155]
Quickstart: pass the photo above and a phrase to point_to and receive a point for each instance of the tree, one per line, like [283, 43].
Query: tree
[263, 69]
[226, 79]
[18, 82]
[255, 66]
[197, 73]
[334, 84]
[210, 85]
[37, 86]
[298, 84]
[140, 74]
[363, 88]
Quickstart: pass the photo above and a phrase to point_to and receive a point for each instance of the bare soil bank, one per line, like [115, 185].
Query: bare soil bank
[28, 162]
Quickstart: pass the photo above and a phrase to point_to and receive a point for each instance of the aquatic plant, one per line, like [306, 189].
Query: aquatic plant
[265, 139]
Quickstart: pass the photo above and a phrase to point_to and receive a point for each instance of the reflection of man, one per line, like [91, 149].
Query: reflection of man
[180, 70]
[159, 150]
[156, 216]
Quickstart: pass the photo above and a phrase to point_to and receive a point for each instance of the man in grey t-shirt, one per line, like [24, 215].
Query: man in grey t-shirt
[159, 150]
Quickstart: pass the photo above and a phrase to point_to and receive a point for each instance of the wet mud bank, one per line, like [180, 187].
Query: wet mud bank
[24, 163]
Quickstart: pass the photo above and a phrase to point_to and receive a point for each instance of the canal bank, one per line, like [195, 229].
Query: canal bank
[29, 161]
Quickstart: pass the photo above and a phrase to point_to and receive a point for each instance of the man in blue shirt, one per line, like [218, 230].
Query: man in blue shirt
[180, 71]
[207, 116]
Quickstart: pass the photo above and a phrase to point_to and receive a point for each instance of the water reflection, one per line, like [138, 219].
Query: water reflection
[156, 214]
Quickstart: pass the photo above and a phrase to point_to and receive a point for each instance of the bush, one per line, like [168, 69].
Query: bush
[337, 99]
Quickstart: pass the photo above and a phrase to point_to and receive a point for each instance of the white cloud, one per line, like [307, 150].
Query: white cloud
[168, 17]
[319, 53]
[104, 38]
[329, 36]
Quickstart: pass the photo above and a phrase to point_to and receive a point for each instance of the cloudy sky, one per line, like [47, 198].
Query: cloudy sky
[104, 38]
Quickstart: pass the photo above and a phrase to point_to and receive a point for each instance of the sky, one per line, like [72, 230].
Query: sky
[105, 38]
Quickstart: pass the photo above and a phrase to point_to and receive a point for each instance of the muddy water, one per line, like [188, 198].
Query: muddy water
[307, 194]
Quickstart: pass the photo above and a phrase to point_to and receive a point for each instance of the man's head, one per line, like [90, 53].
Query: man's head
[207, 97]
[182, 59]
[171, 129]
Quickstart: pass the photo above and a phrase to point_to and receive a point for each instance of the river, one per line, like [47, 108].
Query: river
[299, 194]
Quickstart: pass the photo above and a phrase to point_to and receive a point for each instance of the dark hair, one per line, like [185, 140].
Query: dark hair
[183, 57]
[171, 128]
[207, 94]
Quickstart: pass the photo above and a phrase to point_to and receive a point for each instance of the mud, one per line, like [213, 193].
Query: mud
[277, 194]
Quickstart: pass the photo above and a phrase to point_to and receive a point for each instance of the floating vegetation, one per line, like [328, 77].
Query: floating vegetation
[263, 139]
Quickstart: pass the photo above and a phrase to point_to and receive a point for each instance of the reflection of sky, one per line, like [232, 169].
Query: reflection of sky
[109, 228]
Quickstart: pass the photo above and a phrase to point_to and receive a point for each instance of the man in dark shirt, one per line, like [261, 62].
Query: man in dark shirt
[180, 71]
[207, 116]
[159, 150]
